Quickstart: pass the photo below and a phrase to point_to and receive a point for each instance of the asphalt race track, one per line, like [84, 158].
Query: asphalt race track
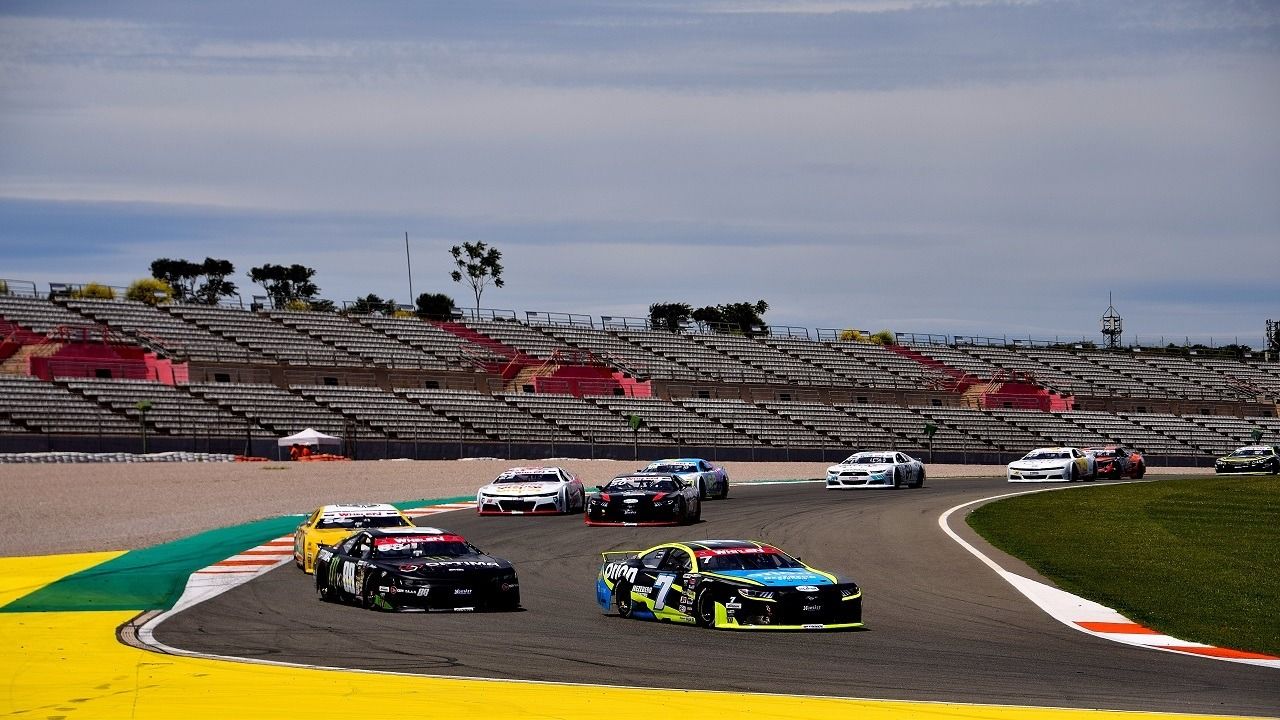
[940, 625]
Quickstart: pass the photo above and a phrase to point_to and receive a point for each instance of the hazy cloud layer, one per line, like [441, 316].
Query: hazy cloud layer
[949, 167]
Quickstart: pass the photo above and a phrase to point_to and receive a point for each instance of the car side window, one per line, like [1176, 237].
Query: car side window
[703, 465]
[364, 548]
[348, 546]
[677, 561]
[900, 458]
[653, 558]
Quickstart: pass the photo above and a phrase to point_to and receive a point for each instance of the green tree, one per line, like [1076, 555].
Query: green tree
[150, 291]
[435, 305]
[215, 285]
[478, 265]
[202, 283]
[743, 317]
[368, 305]
[94, 291]
[883, 337]
[669, 316]
[178, 274]
[286, 285]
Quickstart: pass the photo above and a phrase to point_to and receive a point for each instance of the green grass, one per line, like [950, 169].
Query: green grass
[1198, 559]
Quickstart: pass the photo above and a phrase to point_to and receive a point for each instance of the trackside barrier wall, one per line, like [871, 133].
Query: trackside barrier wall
[387, 449]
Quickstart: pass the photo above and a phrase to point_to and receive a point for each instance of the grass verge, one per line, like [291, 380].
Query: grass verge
[1198, 559]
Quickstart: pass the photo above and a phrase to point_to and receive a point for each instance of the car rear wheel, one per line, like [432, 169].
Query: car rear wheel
[1142, 470]
[704, 610]
[897, 479]
[702, 490]
[325, 592]
[724, 488]
[1075, 474]
[622, 600]
[920, 479]
[697, 517]
[1275, 466]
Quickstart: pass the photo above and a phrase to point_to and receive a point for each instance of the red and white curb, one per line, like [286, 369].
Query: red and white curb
[1093, 618]
[210, 582]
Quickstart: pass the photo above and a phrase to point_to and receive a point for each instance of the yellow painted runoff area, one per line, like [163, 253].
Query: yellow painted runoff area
[69, 664]
[25, 575]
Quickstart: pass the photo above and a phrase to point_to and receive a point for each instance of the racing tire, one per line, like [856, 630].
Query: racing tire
[897, 479]
[697, 517]
[1275, 467]
[704, 610]
[1093, 475]
[622, 600]
[702, 490]
[682, 510]
[724, 489]
[1142, 470]
[1075, 474]
[366, 599]
[324, 591]
[920, 480]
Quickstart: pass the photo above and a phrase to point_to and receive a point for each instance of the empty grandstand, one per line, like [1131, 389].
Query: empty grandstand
[80, 367]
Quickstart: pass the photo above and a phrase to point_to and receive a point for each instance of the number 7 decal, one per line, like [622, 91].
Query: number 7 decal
[662, 585]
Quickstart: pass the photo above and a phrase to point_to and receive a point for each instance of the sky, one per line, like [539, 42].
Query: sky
[964, 167]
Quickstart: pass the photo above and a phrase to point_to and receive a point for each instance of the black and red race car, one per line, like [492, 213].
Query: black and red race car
[645, 498]
[1116, 461]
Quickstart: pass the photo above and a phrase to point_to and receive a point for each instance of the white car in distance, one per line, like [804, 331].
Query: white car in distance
[532, 491]
[876, 469]
[1056, 464]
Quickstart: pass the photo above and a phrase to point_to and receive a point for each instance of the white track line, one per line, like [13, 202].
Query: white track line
[1090, 617]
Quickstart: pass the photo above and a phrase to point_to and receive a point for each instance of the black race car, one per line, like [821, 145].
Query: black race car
[645, 498]
[415, 569]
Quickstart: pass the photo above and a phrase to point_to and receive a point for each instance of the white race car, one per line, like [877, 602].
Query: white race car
[1058, 464]
[876, 469]
[532, 491]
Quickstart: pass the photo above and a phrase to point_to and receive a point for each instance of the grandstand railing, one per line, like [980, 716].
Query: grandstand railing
[788, 331]
[487, 314]
[618, 322]
[18, 288]
[537, 317]
[834, 334]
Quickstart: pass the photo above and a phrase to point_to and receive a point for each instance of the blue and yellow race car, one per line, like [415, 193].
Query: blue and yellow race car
[732, 584]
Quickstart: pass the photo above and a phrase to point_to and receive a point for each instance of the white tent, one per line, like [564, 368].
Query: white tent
[309, 437]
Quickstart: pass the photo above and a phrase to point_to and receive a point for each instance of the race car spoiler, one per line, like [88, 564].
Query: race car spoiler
[618, 554]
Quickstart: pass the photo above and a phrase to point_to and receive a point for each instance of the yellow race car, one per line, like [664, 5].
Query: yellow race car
[332, 524]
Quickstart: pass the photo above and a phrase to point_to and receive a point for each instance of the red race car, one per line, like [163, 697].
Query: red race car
[1116, 461]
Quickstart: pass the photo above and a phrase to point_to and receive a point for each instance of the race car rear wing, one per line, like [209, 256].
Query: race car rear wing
[609, 555]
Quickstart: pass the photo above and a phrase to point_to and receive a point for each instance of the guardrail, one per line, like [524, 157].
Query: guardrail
[536, 317]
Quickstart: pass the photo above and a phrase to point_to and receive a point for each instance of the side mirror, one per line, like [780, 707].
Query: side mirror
[599, 488]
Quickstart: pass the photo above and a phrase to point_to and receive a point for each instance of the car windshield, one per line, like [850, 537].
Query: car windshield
[658, 484]
[1250, 452]
[1048, 455]
[528, 478]
[358, 522]
[673, 467]
[1104, 452]
[745, 559]
[420, 546]
[869, 460]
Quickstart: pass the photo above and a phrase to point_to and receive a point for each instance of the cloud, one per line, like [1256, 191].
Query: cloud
[898, 164]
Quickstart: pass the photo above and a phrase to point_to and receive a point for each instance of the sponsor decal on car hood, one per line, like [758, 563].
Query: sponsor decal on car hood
[879, 467]
[779, 578]
[520, 489]
[1039, 464]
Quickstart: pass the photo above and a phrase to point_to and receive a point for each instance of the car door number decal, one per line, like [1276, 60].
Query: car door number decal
[663, 586]
[349, 577]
